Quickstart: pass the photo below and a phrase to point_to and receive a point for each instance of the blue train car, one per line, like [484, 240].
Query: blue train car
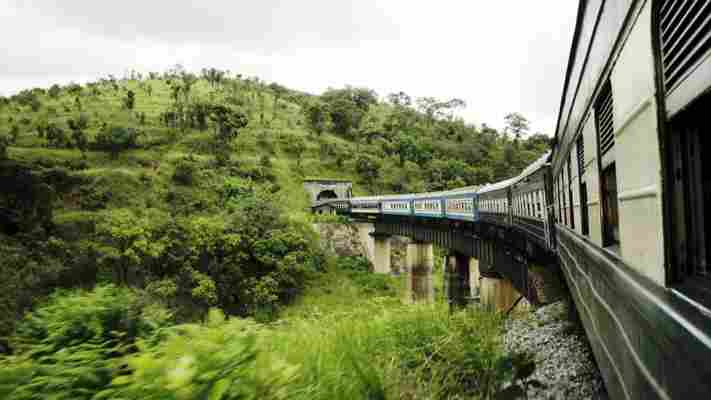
[428, 205]
[397, 205]
[461, 206]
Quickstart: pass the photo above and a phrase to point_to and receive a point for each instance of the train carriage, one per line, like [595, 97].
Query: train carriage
[428, 205]
[630, 192]
[365, 205]
[461, 206]
[529, 202]
[494, 200]
[396, 204]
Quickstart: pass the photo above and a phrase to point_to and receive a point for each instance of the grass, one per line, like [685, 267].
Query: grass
[353, 342]
[347, 338]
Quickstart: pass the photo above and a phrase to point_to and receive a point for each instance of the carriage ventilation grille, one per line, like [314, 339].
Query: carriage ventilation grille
[685, 31]
[603, 118]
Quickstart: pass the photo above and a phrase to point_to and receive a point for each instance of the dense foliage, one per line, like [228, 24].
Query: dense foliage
[174, 194]
[115, 342]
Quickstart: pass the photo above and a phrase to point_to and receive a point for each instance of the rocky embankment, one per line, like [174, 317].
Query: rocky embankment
[564, 360]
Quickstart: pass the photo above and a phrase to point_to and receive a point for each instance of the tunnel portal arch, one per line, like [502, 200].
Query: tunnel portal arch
[326, 195]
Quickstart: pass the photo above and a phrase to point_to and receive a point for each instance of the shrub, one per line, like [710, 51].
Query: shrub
[56, 136]
[5, 142]
[184, 172]
[79, 137]
[456, 353]
[116, 139]
[70, 346]
[217, 360]
[130, 100]
[54, 91]
[357, 264]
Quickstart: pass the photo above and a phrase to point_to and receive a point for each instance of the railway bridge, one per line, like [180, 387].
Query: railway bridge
[620, 207]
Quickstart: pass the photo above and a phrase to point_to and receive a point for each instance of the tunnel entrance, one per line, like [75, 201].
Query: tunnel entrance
[326, 195]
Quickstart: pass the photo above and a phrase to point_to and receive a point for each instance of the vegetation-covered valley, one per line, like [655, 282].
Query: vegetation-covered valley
[155, 242]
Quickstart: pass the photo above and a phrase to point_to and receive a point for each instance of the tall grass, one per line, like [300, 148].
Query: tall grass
[348, 338]
[412, 351]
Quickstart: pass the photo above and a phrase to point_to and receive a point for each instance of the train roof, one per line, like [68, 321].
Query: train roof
[536, 165]
[529, 170]
[492, 187]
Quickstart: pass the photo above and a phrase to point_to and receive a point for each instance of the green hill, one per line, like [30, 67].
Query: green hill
[175, 198]
[111, 180]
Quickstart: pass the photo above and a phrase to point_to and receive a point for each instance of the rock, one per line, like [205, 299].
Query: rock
[564, 361]
[340, 239]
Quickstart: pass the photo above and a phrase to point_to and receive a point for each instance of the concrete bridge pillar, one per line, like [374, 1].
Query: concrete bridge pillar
[419, 264]
[457, 276]
[474, 278]
[500, 295]
[381, 259]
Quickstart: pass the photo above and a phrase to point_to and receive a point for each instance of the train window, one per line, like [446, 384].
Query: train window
[585, 221]
[570, 192]
[564, 209]
[539, 201]
[530, 204]
[604, 119]
[690, 195]
[561, 200]
[608, 176]
[582, 186]
[555, 200]
[610, 216]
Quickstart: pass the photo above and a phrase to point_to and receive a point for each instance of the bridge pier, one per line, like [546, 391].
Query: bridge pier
[457, 279]
[500, 295]
[419, 264]
[474, 278]
[381, 249]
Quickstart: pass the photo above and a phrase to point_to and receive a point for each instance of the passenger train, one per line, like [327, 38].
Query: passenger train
[624, 196]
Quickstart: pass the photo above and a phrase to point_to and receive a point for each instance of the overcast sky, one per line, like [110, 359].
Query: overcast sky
[498, 55]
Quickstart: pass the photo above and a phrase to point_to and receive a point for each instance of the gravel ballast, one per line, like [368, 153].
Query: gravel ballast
[564, 361]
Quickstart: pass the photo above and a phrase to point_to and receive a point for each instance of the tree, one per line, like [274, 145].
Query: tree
[516, 124]
[297, 146]
[278, 92]
[130, 100]
[316, 113]
[56, 137]
[406, 149]
[400, 99]
[429, 107]
[74, 89]
[116, 139]
[228, 122]
[213, 76]
[199, 114]
[54, 91]
[345, 116]
[79, 137]
[368, 168]
[347, 107]
[435, 109]
[128, 240]
[364, 98]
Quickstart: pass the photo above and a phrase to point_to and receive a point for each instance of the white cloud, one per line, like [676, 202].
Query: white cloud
[499, 56]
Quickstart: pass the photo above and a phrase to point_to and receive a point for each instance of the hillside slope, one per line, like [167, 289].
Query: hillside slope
[191, 186]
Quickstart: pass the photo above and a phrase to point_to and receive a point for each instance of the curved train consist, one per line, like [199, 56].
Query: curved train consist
[623, 198]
